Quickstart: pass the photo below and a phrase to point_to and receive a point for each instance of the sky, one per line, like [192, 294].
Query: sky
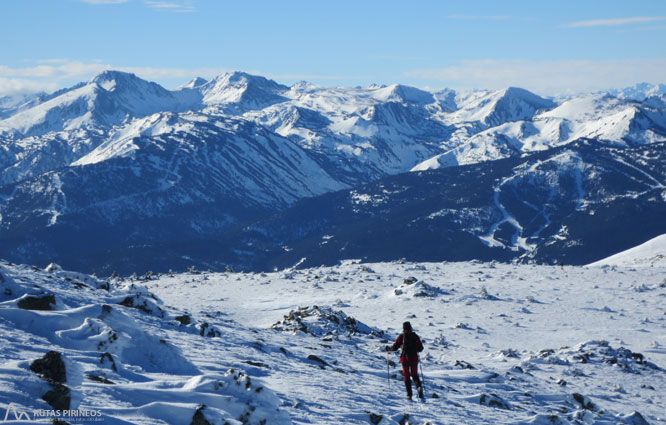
[549, 48]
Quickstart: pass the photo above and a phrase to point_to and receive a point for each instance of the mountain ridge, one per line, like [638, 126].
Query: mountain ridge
[184, 167]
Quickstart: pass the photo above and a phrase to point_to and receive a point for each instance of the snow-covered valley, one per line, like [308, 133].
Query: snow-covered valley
[504, 344]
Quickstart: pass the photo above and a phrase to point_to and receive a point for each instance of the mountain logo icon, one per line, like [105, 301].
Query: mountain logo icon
[18, 415]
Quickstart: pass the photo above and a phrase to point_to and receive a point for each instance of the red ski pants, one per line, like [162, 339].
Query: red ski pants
[410, 369]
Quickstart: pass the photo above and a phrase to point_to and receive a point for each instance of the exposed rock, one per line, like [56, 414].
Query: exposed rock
[206, 329]
[184, 319]
[44, 302]
[107, 358]
[493, 400]
[199, 418]
[59, 397]
[413, 288]
[321, 321]
[321, 362]
[256, 364]
[99, 379]
[463, 364]
[131, 302]
[376, 419]
[51, 367]
[584, 402]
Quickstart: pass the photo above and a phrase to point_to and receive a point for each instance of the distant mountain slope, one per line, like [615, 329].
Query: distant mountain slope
[109, 99]
[58, 129]
[649, 253]
[571, 205]
[600, 117]
[150, 185]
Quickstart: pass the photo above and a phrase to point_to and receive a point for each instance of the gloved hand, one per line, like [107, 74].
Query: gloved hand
[387, 348]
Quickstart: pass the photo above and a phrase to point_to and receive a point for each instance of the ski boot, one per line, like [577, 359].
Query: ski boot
[408, 387]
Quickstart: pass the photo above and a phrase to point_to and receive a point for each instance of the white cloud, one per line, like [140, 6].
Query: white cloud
[171, 6]
[614, 22]
[54, 70]
[61, 69]
[13, 86]
[51, 74]
[546, 77]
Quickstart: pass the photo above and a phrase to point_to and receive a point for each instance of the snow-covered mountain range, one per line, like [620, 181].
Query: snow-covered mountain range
[124, 161]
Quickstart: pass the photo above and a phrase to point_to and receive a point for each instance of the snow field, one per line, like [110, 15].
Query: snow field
[505, 344]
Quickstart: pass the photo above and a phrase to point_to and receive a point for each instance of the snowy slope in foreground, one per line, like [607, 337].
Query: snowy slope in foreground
[505, 344]
[122, 356]
[538, 338]
[652, 252]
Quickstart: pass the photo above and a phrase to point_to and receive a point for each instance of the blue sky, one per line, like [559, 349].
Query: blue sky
[546, 47]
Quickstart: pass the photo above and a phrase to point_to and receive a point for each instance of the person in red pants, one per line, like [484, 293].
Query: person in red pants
[411, 346]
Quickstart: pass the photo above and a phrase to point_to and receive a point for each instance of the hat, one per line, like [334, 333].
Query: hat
[407, 326]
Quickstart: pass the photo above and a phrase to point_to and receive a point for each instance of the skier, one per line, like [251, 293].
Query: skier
[409, 357]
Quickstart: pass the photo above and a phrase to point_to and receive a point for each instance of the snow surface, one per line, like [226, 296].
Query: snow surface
[505, 344]
[651, 252]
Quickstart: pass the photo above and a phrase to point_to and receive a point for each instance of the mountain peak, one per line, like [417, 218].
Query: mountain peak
[244, 90]
[303, 86]
[527, 96]
[119, 81]
[113, 75]
[194, 83]
[403, 94]
[243, 78]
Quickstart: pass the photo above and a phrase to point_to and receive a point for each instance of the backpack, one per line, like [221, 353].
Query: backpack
[410, 344]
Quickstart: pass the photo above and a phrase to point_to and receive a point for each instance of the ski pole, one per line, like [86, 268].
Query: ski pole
[388, 372]
[422, 378]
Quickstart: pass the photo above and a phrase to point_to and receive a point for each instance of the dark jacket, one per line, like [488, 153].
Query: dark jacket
[411, 345]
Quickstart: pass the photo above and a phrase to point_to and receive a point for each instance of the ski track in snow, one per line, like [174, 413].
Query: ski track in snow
[517, 242]
[540, 212]
[546, 344]
[53, 210]
[657, 183]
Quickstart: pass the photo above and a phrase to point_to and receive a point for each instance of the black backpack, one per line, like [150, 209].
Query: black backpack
[410, 344]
